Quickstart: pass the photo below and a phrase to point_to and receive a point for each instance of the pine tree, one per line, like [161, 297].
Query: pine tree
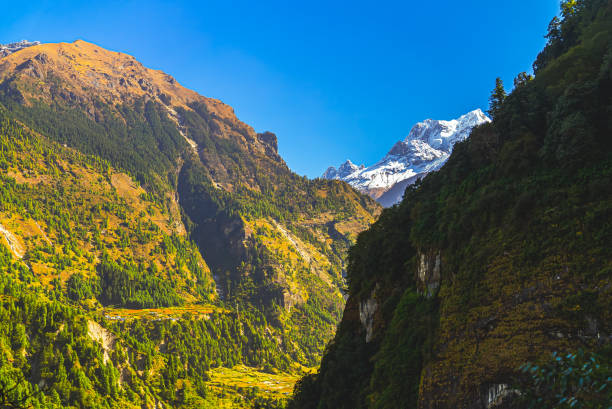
[522, 79]
[497, 98]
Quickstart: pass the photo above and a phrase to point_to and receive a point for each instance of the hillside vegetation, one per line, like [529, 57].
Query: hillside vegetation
[498, 259]
[152, 242]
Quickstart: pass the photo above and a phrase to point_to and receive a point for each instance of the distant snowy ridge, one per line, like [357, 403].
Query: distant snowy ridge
[425, 149]
[6, 49]
[344, 170]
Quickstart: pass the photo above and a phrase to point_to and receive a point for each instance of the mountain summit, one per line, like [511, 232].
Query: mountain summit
[425, 149]
[343, 171]
[90, 74]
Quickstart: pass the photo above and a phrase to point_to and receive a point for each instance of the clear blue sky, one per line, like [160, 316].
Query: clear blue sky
[333, 79]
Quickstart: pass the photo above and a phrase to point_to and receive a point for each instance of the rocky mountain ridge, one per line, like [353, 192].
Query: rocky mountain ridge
[6, 49]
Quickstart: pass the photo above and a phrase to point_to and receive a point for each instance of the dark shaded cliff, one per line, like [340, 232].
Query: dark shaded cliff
[500, 258]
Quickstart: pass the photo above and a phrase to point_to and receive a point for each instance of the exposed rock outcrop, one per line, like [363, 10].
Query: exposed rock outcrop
[270, 142]
[103, 336]
[367, 310]
[13, 242]
[428, 272]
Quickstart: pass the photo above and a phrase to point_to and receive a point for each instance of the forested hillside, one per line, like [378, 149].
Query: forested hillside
[497, 260]
[152, 242]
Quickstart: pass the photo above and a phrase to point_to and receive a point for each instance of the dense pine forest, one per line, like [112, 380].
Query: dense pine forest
[489, 285]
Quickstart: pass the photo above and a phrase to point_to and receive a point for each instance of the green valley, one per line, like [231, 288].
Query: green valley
[157, 252]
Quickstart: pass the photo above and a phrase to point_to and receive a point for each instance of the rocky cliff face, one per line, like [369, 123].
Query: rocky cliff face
[428, 272]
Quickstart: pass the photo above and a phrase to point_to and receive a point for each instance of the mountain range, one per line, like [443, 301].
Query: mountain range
[163, 241]
[156, 252]
[426, 148]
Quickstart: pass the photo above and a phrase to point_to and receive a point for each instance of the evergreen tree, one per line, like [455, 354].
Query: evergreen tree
[497, 98]
[522, 79]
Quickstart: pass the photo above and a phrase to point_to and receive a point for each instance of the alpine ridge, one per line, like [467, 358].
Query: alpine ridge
[6, 49]
[424, 150]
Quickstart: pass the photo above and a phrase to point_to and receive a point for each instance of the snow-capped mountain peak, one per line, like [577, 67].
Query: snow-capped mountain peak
[443, 135]
[6, 49]
[343, 171]
[425, 149]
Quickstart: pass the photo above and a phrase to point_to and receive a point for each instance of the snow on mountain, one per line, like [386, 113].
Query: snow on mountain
[6, 49]
[425, 149]
[344, 170]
